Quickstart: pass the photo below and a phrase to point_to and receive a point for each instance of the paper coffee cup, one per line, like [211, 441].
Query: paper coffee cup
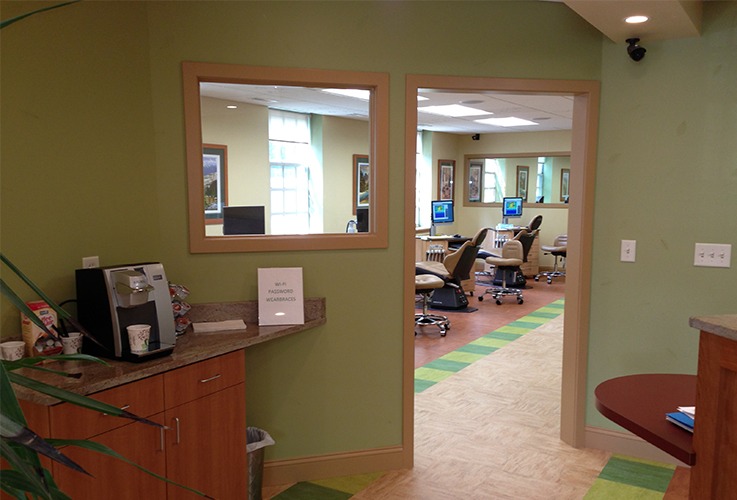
[72, 344]
[138, 336]
[12, 350]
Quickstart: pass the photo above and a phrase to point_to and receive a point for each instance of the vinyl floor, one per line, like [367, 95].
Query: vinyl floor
[487, 419]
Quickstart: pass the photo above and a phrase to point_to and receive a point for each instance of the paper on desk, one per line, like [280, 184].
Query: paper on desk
[219, 326]
[688, 410]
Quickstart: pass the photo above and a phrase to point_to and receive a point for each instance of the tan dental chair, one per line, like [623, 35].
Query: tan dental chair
[559, 248]
[511, 260]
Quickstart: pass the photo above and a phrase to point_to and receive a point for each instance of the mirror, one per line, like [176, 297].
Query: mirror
[539, 178]
[284, 159]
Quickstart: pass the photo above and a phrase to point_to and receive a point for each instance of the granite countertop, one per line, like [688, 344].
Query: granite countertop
[190, 348]
[724, 325]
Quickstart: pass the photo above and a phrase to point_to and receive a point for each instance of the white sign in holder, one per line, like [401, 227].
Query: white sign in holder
[280, 296]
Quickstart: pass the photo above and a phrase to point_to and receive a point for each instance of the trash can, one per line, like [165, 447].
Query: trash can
[256, 440]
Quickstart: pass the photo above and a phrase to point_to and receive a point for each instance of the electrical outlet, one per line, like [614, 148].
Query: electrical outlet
[628, 251]
[712, 255]
[90, 262]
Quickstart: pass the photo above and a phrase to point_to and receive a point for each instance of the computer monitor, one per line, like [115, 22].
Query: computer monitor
[511, 208]
[442, 211]
[244, 220]
[362, 220]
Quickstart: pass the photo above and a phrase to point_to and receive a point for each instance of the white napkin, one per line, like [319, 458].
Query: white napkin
[219, 326]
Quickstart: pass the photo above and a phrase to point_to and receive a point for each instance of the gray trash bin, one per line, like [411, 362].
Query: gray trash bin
[256, 440]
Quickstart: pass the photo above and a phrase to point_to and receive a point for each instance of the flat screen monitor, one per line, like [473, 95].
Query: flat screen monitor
[511, 207]
[442, 211]
[244, 220]
[362, 220]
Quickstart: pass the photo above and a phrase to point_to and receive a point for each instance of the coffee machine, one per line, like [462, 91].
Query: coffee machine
[109, 299]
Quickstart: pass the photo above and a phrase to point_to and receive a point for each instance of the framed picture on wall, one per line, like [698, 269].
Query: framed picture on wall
[446, 179]
[523, 173]
[474, 183]
[361, 181]
[215, 177]
[565, 178]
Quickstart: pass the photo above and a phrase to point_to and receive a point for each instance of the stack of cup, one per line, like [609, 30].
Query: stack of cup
[12, 350]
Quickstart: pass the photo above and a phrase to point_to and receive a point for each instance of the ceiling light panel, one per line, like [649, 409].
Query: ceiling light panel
[509, 121]
[453, 110]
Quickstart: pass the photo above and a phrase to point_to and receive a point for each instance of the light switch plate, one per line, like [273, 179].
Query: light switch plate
[628, 251]
[712, 255]
[90, 262]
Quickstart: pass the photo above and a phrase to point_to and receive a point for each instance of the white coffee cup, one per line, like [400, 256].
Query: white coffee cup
[72, 344]
[138, 336]
[13, 350]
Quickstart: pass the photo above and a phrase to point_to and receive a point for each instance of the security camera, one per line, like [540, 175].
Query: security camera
[476, 137]
[635, 52]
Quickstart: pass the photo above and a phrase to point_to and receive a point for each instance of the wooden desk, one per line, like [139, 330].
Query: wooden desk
[639, 404]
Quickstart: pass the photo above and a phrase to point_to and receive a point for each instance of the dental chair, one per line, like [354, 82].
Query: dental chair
[455, 268]
[508, 265]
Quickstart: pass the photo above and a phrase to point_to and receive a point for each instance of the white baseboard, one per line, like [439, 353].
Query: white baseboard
[625, 443]
[277, 472]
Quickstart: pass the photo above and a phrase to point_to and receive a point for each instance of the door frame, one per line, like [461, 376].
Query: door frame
[584, 133]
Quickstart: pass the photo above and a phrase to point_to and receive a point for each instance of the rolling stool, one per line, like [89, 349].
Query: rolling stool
[425, 284]
[558, 249]
[511, 260]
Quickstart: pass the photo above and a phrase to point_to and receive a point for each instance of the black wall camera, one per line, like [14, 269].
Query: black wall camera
[635, 52]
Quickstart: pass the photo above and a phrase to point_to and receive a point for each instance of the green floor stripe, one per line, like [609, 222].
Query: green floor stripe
[310, 491]
[496, 334]
[446, 365]
[464, 357]
[639, 474]
[546, 314]
[481, 350]
[421, 385]
[349, 484]
[527, 325]
[491, 342]
[431, 374]
[608, 490]
[513, 329]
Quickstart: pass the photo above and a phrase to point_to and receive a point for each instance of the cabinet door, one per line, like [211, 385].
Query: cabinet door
[112, 478]
[206, 446]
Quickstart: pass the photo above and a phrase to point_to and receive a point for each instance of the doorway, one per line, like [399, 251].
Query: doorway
[580, 221]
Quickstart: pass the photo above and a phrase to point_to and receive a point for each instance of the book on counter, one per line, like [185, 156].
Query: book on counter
[683, 418]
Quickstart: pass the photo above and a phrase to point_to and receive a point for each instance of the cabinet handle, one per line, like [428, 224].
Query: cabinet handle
[176, 422]
[214, 377]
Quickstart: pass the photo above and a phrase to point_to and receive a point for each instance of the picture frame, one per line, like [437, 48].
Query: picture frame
[565, 179]
[215, 179]
[523, 175]
[474, 183]
[446, 179]
[361, 181]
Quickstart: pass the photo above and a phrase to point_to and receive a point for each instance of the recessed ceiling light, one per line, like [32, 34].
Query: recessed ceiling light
[509, 121]
[636, 19]
[454, 110]
[231, 106]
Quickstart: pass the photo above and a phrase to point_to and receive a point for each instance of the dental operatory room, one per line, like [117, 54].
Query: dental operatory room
[368, 249]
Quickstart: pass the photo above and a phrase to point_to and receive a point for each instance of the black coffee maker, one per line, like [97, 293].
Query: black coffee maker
[109, 299]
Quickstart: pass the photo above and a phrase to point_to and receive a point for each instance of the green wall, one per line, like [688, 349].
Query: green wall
[93, 163]
[667, 177]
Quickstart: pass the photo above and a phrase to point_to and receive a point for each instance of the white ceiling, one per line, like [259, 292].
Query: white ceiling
[668, 19]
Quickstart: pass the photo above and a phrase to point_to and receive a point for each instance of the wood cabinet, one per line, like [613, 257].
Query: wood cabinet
[715, 432]
[203, 447]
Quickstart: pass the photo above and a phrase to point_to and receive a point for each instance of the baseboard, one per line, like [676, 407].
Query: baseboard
[624, 443]
[278, 472]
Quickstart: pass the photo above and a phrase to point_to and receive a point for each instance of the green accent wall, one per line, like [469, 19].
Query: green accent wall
[93, 163]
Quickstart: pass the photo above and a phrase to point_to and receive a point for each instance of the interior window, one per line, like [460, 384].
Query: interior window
[423, 186]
